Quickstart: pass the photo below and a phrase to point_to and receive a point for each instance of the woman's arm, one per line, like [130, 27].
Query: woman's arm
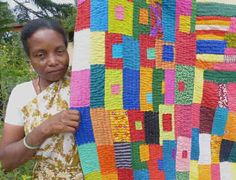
[13, 153]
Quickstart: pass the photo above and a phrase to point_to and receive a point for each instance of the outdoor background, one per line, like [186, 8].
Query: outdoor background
[14, 65]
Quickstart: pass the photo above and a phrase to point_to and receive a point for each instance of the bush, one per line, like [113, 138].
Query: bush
[14, 70]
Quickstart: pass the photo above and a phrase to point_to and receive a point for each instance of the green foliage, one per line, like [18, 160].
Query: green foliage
[22, 173]
[69, 22]
[65, 13]
[6, 16]
[6, 20]
[14, 69]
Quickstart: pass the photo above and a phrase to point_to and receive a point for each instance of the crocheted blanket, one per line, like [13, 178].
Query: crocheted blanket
[155, 84]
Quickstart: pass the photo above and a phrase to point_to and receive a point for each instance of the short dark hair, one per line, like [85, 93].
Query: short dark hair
[34, 25]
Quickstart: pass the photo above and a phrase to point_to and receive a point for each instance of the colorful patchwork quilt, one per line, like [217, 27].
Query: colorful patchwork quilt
[155, 84]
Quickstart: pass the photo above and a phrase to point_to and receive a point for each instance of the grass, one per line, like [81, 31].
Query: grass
[22, 173]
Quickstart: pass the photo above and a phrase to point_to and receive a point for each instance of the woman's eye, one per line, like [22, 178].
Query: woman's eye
[40, 55]
[60, 51]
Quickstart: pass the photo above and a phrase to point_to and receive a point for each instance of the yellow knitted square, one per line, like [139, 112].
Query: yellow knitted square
[124, 26]
[185, 24]
[198, 86]
[204, 172]
[144, 152]
[113, 89]
[97, 47]
[119, 125]
[145, 88]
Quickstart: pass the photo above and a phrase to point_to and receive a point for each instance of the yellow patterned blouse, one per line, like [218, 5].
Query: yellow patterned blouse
[57, 157]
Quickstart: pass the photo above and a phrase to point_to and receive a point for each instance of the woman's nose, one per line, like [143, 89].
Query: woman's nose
[52, 60]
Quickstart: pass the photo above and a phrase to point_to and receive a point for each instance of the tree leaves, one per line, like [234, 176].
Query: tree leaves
[14, 69]
[6, 19]
[46, 9]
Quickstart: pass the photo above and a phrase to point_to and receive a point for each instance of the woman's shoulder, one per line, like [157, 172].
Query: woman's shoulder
[20, 96]
[24, 86]
[23, 91]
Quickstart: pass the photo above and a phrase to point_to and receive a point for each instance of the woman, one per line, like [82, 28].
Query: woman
[38, 122]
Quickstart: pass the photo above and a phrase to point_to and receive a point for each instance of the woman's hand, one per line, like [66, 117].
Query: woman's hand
[64, 121]
[12, 151]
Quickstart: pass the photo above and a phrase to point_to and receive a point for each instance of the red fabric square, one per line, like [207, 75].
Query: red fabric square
[195, 115]
[126, 174]
[133, 116]
[155, 152]
[206, 119]
[184, 154]
[83, 16]
[166, 122]
[181, 86]
[185, 48]
[114, 63]
[146, 42]
[210, 95]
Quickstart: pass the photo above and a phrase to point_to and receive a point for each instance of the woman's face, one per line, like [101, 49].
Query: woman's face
[48, 54]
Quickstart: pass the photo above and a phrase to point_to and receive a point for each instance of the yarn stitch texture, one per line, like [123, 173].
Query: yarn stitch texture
[155, 84]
